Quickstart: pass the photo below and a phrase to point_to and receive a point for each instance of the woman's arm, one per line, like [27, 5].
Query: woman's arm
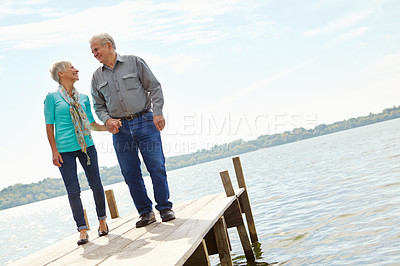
[97, 127]
[57, 159]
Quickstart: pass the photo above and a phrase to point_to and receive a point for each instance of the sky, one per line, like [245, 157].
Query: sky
[229, 69]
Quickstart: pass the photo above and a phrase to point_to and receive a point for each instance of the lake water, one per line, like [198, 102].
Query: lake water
[330, 200]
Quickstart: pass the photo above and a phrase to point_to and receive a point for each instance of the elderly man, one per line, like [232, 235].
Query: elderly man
[129, 100]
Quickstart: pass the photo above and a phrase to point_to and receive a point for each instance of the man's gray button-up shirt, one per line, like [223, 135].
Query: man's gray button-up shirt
[128, 88]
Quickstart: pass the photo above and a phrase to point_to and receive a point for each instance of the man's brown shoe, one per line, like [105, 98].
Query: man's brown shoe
[145, 219]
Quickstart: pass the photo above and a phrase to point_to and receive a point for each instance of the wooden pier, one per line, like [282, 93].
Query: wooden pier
[199, 230]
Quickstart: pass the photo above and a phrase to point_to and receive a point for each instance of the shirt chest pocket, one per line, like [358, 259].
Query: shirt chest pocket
[131, 81]
[104, 89]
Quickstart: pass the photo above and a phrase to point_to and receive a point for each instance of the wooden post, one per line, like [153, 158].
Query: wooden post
[199, 256]
[222, 242]
[226, 181]
[112, 205]
[236, 212]
[245, 200]
[86, 219]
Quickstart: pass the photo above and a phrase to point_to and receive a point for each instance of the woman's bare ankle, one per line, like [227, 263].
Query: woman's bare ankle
[103, 225]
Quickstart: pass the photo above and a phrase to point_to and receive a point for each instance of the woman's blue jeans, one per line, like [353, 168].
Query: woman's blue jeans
[69, 174]
[141, 134]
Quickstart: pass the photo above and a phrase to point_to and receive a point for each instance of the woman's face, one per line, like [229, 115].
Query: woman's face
[70, 73]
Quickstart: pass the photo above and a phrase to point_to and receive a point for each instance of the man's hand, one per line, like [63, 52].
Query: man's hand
[57, 159]
[159, 121]
[113, 125]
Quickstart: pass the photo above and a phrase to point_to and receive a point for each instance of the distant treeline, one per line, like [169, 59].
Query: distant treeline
[20, 194]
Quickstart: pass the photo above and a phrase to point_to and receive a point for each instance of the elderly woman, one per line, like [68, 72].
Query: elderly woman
[68, 123]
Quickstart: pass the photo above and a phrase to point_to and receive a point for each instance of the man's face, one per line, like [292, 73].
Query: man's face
[101, 53]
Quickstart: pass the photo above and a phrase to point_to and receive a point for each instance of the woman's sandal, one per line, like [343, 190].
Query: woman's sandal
[83, 240]
[103, 233]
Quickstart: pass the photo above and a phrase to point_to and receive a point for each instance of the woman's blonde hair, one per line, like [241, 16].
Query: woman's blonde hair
[56, 67]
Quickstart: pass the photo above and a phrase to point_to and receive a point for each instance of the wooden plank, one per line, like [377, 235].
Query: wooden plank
[112, 204]
[233, 218]
[222, 242]
[244, 200]
[113, 245]
[239, 172]
[101, 248]
[249, 217]
[211, 243]
[43, 257]
[183, 234]
[244, 239]
[68, 245]
[199, 257]
[233, 215]
[226, 181]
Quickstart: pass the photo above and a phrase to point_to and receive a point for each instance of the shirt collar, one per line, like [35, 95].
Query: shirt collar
[119, 58]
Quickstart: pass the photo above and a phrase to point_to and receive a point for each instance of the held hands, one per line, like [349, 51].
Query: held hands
[57, 159]
[113, 125]
[159, 121]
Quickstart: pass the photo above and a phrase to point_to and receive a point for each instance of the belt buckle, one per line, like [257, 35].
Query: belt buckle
[129, 118]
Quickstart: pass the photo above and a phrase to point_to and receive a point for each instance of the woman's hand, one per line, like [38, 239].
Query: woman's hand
[57, 159]
[97, 127]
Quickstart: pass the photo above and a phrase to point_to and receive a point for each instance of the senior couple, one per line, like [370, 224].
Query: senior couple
[128, 99]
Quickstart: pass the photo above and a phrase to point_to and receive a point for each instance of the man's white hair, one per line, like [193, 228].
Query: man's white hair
[104, 38]
[56, 67]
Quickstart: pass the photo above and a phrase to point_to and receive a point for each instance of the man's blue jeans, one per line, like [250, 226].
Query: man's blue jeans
[69, 174]
[141, 134]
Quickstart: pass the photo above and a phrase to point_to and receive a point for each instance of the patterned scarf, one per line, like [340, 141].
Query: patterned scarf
[79, 118]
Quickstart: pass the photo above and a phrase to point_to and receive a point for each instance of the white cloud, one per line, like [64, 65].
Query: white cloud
[339, 24]
[12, 8]
[238, 94]
[353, 34]
[389, 37]
[258, 26]
[180, 62]
[384, 68]
[33, 2]
[167, 23]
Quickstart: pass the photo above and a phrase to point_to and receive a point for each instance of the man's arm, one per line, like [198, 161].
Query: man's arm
[151, 84]
[99, 105]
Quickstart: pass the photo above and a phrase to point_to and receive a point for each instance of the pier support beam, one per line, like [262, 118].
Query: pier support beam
[244, 199]
[234, 216]
[199, 256]
[221, 237]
